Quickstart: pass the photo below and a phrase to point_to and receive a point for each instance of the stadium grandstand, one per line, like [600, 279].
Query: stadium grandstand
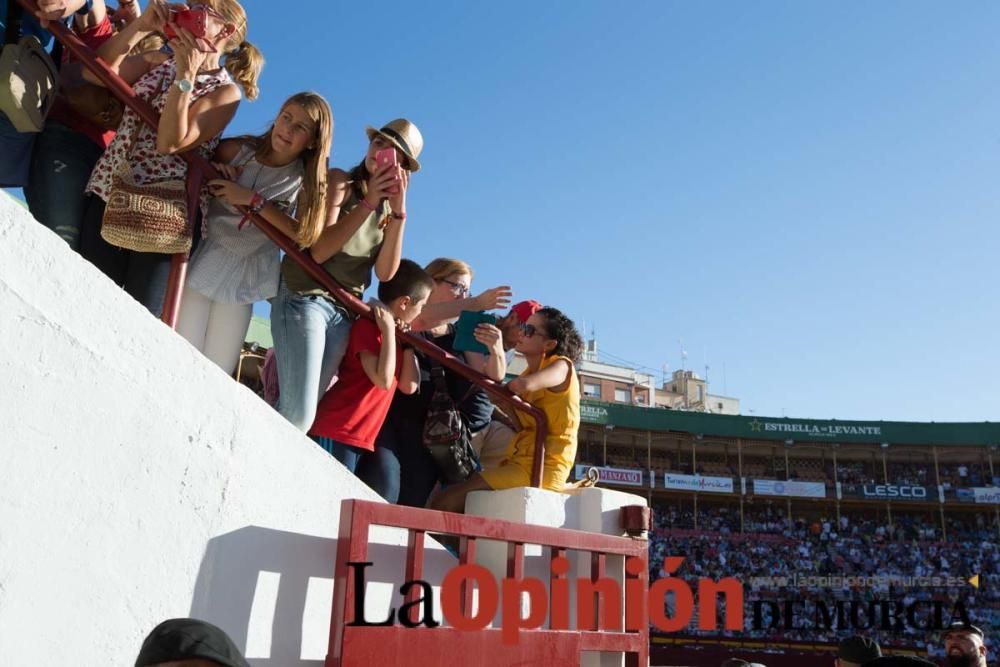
[767, 499]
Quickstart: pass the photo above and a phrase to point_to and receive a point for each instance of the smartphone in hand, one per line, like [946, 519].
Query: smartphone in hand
[387, 158]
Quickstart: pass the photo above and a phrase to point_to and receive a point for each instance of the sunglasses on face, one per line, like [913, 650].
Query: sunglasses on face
[456, 288]
[530, 330]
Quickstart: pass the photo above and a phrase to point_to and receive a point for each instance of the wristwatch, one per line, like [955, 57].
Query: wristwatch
[184, 85]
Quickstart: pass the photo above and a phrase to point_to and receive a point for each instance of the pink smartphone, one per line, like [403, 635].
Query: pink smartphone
[387, 158]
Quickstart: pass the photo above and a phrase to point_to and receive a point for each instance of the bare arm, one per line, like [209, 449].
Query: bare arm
[339, 230]
[53, 10]
[234, 194]
[93, 18]
[409, 374]
[556, 376]
[132, 68]
[381, 369]
[494, 364]
[115, 50]
[225, 153]
[387, 261]
[185, 126]
[434, 314]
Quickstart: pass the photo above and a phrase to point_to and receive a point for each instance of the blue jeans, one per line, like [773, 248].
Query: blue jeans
[310, 338]
[346, 454]
[400, 469]
[15, 154]
[61, 164]
[381, 470]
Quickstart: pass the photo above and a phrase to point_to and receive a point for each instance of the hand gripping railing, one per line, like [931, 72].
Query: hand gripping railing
[200, 169]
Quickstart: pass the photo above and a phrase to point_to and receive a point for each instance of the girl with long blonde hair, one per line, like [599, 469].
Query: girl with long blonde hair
[196, 89]
[363, 234]
[282, 175]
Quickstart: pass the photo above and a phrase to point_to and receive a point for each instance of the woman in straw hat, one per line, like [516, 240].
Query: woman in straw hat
[365, 219]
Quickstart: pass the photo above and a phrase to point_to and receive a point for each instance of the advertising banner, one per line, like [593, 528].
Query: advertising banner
[891, 492]
[986, 494]
[697, 483]
[772, 487]
[622, 476]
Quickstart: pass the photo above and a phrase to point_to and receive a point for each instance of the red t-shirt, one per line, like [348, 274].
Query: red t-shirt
[353, 411]
[62, 112]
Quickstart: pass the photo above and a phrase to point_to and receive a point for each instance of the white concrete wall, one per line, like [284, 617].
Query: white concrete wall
[138, 482]
[595, 510]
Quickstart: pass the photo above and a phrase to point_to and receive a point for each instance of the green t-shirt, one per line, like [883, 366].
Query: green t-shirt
[352, 266]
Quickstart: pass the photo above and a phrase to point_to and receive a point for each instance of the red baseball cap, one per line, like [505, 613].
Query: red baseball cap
[525, 309]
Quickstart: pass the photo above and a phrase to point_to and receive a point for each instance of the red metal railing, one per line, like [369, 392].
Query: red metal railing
[200, 169]
[363, 646]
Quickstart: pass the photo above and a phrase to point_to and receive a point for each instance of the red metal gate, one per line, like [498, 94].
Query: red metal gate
[367, 646]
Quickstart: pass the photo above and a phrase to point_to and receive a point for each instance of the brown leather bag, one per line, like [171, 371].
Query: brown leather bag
[92, 102]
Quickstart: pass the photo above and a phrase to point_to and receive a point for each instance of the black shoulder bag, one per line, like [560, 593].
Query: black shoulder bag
[446, 435]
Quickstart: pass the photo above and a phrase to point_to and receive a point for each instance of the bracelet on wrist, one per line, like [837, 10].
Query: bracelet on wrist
[257, 204]
[398, 216]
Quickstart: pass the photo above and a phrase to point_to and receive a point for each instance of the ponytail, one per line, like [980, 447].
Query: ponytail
[244, 65]
[243, 60]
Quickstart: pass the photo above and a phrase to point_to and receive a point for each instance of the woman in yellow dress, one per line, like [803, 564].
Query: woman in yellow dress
[551, 345]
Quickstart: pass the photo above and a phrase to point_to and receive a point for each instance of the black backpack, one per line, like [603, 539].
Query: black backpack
[446, 435]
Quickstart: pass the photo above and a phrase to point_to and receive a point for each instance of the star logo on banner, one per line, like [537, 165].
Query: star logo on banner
[756, 425]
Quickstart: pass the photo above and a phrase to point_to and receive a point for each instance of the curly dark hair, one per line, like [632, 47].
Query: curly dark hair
[558, 327]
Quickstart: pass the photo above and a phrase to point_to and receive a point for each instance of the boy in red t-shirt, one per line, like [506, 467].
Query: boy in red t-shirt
[350, 415]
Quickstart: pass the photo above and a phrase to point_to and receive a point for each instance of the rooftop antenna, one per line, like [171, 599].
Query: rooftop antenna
[684, 355]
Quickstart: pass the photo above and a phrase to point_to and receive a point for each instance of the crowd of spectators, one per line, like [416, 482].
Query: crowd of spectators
[858, 545]
[388, 411]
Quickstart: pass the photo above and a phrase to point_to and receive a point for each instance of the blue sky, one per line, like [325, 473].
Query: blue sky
[804, 193]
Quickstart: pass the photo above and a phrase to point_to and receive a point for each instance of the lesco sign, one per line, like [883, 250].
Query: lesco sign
[894, 491]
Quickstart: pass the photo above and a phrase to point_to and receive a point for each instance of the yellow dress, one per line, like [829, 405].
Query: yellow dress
[563, 412]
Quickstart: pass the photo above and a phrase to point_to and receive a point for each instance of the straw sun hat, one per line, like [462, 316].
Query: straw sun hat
[405, 136]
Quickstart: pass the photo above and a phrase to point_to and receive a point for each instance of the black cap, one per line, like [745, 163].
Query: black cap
[858, 649]
[958, 626]
[186, 639]
[899, 661]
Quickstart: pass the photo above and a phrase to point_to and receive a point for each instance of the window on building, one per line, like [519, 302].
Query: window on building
[701, 394]
[623, 395]
[720, 405]
[640, 398]
[591, 390]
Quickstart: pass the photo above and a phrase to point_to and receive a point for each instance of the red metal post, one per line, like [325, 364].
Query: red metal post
[414, 568]
[179, 262]
[175, 289]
